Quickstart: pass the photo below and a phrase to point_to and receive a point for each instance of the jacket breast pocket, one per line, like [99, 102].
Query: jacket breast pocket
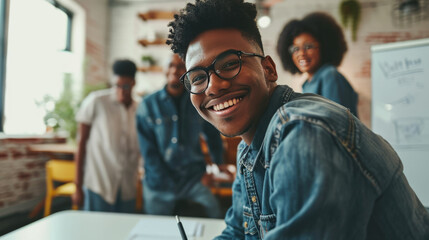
[267, 222]
[248, 222]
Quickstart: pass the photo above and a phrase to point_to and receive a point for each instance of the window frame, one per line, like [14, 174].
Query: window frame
[69, 22]
[3, 47]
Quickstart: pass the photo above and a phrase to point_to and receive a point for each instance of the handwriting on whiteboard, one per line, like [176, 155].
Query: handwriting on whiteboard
[411, 131]
[404, 67]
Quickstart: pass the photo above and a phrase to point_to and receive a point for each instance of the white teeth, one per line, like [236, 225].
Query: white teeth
[302, 62]
[226, 104]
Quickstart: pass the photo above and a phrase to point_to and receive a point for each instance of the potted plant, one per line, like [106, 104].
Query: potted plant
[350, 15]
[148, 61]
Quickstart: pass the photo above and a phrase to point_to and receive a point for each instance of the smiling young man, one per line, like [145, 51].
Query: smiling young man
[307, 168]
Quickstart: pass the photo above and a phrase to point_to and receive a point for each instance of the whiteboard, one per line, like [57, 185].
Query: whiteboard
[400, 106]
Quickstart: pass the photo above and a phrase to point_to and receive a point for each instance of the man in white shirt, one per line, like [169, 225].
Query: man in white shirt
[107, 157]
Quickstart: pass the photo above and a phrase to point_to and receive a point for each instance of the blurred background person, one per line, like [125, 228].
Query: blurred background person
[169, 131]
[315, 46]
[107, 158]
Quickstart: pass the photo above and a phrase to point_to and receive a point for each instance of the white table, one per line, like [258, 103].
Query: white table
[81, 225]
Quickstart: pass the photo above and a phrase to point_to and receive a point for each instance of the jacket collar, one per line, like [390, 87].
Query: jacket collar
[281, 95]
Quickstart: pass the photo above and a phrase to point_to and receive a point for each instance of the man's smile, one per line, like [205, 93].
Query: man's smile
[226, 104]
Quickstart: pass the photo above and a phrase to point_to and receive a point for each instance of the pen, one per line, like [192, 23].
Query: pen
[181, 229]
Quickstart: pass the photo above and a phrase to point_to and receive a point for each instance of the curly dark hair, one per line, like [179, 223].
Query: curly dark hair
[124, 68]
[206, 15]
[324, 29]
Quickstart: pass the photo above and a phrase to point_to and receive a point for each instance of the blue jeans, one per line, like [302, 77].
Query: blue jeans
[94, 202]
[164, 202]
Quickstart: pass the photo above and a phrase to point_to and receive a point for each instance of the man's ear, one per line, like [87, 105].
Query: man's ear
[270, 71]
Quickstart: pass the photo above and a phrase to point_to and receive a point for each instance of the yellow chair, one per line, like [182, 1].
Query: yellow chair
[59, 171]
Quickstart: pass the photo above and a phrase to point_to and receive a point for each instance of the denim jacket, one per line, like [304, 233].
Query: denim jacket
[313, 171]
[170, 141]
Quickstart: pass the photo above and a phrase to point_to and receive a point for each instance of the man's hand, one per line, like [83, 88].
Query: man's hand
[223, 173]
[228, 169]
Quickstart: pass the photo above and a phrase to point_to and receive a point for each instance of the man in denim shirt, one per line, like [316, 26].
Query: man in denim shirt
[169, 136]
[307, 168]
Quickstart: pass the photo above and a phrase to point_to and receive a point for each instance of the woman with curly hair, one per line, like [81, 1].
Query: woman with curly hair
[315, 45]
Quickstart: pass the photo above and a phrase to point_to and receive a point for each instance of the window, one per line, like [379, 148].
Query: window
[38, 58]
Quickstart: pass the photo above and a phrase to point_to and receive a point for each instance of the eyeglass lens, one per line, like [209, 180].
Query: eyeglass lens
[295, 49]
[226, 66]
[123, 86]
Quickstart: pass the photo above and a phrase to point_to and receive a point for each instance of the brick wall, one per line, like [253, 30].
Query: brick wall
[22, 174]
[96, 68]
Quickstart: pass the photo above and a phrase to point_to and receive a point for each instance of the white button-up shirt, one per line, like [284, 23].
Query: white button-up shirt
[112, 153]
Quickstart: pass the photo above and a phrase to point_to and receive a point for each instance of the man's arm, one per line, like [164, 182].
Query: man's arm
[318, 192]
[84, 130]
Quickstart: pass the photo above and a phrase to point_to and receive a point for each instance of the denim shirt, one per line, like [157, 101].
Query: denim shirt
[313, 171]
[170, 141]
[331, 84]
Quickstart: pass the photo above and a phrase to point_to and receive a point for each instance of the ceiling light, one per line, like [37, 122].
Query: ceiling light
[264, 21]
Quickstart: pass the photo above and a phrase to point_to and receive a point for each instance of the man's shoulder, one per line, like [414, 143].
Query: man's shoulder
[312, 109]
[153, 97]
[313, 105]
[298, 121]
[100, 94]
[151, 103]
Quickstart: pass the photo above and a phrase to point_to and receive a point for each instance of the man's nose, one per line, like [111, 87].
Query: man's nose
[216, 85]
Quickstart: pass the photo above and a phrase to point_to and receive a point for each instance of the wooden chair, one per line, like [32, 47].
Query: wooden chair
[139, 195]
[62, 171]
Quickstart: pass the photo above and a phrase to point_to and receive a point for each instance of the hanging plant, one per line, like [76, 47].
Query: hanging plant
[350, 15]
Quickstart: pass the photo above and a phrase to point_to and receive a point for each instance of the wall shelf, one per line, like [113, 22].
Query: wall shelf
[150, 69]
[145, 42]
[150, 15]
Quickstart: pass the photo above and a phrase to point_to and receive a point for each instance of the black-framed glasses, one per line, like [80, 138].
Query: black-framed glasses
[123, 86]
[307, 46]
[226, 65]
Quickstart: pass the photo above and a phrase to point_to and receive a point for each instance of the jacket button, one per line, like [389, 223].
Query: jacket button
[254, 199]
[245, 225]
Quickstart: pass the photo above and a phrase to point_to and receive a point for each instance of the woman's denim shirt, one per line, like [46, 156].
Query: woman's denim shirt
[331, 84]
[170, 141]
[313, 171]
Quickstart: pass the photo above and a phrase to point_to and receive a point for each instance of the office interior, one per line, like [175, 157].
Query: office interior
[97, 32]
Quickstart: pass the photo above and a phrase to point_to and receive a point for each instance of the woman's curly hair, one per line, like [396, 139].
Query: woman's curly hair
[206, 15]
[324, 29]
